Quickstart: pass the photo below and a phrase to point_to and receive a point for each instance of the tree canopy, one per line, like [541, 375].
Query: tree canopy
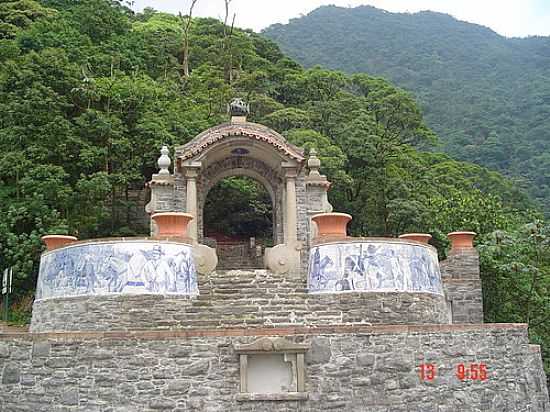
[486, 96]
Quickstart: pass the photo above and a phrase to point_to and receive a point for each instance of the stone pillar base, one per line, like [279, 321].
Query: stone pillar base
[283, 258]
[206, 259]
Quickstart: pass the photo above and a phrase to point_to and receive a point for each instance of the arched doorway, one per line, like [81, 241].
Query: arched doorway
[264, 177]
[238, 221]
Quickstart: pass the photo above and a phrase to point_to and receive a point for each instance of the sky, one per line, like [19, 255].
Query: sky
[510, 18]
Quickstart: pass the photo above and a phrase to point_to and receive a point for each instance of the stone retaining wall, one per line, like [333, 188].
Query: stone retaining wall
[254, 298]
[348, 368]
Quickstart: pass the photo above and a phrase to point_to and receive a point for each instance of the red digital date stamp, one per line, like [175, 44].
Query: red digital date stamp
[472, 371]
[427, 371]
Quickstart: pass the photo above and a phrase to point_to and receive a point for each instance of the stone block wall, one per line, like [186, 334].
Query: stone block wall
[137, 200]
[254, 298]
[462, 286]
[347, 368]
[163, 198]
[180, 195]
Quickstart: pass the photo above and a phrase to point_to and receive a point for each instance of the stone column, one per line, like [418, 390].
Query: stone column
[285, 257]
[191, 173]
[462, 285]
[317, 187]
[291, 234]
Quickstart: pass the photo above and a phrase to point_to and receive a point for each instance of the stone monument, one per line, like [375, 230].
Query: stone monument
[331, 322]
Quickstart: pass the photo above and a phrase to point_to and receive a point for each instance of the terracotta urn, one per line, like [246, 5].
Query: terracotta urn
[461, 240]
[172, 224]
[418, 237]
[56, 241]
[331, 224]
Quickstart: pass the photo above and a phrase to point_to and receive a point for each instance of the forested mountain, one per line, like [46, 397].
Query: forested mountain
[486, 96]
[89, 91]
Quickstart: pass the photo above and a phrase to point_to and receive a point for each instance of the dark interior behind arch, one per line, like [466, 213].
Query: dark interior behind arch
[238, 208]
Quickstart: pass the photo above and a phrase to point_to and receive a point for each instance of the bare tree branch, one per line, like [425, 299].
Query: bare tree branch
[227, 3]
[185, 45]
[228, 64]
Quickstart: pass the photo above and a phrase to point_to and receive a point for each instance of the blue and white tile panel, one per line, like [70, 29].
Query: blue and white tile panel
[117, 267]
[374, 266]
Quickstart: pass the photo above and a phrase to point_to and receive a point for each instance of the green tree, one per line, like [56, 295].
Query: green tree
[18, 15]
[516, 280]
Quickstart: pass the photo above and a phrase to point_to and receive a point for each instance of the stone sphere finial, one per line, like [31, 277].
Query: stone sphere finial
[313, 163]
[239, 108]
[164, 161]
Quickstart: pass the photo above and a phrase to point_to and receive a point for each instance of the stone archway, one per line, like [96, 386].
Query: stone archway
[241, 148]
[246, 148]
[242, 166]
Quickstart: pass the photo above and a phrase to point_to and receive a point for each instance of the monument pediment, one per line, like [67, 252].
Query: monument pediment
[254, 132]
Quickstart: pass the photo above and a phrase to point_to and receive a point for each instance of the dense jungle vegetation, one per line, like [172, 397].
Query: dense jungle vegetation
[486, 96]
[89, 91]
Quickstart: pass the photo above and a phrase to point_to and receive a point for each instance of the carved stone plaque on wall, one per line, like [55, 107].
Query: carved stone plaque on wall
[272, 369]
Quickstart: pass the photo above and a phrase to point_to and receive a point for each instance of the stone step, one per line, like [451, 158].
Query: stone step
[231, 296]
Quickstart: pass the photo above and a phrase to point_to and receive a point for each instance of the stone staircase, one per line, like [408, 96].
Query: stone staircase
[251, 297]
[238, 256]
[262, 298]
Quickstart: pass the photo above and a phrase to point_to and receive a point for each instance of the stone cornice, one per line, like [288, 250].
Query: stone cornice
[320, 180]
[263, 331]
[160, 183]
[161, 180]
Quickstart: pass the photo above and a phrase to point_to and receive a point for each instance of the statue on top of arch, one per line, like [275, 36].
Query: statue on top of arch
[238, 107]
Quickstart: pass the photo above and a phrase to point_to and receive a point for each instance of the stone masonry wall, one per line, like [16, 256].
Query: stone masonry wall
[462, 286]
[132, 209]
[348, 368]
[303, 219]
[254, 298]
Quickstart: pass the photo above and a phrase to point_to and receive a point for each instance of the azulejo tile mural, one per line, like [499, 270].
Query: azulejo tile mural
[129, 267]
[374, 266]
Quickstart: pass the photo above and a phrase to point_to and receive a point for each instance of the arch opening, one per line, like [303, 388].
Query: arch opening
[238, 219]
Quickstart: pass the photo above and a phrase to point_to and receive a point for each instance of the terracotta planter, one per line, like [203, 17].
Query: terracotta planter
[461, 240]
[172, 224]
[418, 237]
[331, 224]
[56, 241]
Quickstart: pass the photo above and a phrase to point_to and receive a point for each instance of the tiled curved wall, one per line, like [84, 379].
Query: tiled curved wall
[117, 267]
[373, 265]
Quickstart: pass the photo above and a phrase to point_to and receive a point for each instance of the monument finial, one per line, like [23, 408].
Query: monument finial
[164, 161]
[238, 109]
[313, 163]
